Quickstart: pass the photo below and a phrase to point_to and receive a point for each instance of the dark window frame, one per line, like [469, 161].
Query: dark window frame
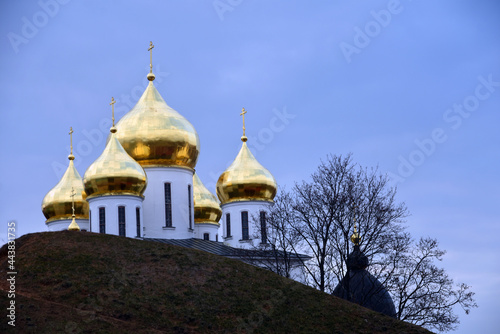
[190, 205]
[138, 221]
[122, 228]
[263, 227]
[168, 204]
[228, 225]
[102, 220]
[245, 233]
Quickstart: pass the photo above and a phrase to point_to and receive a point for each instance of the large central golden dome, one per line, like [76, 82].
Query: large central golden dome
[156, 135]
[246, 180]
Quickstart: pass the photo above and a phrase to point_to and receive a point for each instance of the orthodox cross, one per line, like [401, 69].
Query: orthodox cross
[151, 46]
[112, 104]
[71, 139]
[73, 193]
[243, 112]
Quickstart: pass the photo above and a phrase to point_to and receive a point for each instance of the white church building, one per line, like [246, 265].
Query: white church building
[144, 184]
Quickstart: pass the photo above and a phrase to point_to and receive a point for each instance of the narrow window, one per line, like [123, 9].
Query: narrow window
[217, 237]
[168, 206]
[90, 220]
[228, 225]
[102, 220]
[244, 225]
[263, 227]
[121, 221]
[206, 236]
[138, 221]
[189, 206]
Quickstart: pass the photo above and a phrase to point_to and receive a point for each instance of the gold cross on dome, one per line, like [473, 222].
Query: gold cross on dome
[73, 193]
[71, 139]
[151, 46]
[112, 104]
[243, 112]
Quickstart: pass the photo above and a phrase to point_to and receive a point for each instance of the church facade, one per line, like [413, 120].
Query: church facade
[144, 184]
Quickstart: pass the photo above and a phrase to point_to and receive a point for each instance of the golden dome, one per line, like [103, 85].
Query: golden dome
[206, 207]
[154, 134]
[246, 180]
[73, 226]
[57, 204]
[114, 172]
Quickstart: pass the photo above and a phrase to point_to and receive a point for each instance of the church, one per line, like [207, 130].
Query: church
[144, 184]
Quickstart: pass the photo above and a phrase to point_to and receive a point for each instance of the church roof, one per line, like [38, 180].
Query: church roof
[361, 287]
[221, 249]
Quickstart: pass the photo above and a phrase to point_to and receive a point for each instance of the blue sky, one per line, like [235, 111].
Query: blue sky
[412, 87]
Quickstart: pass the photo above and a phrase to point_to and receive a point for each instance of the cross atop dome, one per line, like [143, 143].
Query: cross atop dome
[73, 226]
[151, 76]
[243, 138]
[71, 156]
[112, 104]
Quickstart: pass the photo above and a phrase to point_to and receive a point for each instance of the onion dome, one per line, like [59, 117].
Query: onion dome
[361, 287]
[73, 226]
[156, 135]
[114, 172]
[246, 180]
[206, 207]
[57, 204]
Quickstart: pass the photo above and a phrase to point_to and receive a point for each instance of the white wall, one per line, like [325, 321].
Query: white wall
[235, 209]
[211, 229]
[154, 203]
[111, 204]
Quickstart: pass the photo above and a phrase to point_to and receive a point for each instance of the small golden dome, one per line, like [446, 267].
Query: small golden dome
[206, 207]
[57, 204]
[154, 134]
[246, 180]
[114, 172]
[73, 226]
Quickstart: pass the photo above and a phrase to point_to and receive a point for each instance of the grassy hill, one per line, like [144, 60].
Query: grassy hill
[77, 282]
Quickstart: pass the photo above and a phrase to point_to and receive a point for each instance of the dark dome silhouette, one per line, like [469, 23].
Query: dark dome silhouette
[361, 287]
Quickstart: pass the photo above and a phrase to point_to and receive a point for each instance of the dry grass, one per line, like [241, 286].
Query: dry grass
[72, 282]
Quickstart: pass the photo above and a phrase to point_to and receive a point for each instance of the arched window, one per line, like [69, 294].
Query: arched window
[168, 205]
[121, 221]
[102, 220]
[206, 236]
[244, 225]
[228, 225]
[138, 221]
[263, 227]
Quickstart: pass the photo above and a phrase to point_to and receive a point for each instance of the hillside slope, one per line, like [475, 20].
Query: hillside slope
[76, 282]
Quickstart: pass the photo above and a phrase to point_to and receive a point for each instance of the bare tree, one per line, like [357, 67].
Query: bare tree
[326, 209]
[317, 218]
[279, 241]
[423, 293]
